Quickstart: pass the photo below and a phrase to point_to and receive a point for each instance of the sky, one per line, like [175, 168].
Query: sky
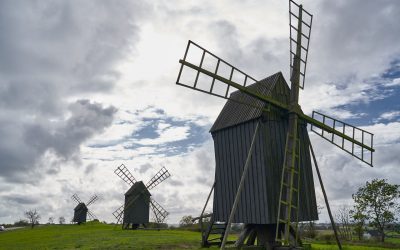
[86, 86]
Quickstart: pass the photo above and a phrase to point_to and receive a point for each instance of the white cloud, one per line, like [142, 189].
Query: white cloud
[389, 116]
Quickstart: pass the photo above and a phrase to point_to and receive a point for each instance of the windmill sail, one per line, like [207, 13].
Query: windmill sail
[91, 215]
[159, 212]
[92, 200]
[124, 173]
[305, 32]
[118, 214]
[76, 198]
[210, 74]
[162, 175]
[355, 141]
[228, 82]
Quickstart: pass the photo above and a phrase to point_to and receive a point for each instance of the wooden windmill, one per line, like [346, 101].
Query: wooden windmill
[263, 175]
[81, 210]
[135, 210]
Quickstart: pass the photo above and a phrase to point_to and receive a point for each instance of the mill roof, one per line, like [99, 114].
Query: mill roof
[138, 188]
[234, 112]
[81, 206]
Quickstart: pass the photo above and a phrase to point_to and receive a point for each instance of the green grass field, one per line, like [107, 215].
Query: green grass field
[101, 236]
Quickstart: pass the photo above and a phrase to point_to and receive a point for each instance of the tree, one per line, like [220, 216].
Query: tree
[33, 217]
[377, 202]
[61, 220]
[51, 220]
[186, 221]
[343, 217]
[359, 219]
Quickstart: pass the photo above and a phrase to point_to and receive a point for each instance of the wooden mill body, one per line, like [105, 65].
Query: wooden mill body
[138, 198]
[232, 133]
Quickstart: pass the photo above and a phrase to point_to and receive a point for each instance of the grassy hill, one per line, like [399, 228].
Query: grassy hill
[102, 236]
[96, 236]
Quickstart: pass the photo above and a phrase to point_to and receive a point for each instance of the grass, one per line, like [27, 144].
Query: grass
[345, 247]
[102, 236]
[97, 236]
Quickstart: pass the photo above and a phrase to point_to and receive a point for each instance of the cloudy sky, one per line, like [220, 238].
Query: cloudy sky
[88, 85]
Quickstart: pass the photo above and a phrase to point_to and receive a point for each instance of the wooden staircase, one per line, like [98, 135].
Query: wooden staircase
[214, 234]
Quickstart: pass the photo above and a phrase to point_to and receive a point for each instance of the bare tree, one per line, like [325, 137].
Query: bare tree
[343, 217]
[61, 220]
[51, 220]
[33, 217]
[186, 220]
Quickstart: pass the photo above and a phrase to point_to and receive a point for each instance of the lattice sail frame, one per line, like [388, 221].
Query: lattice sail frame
[198, 71]
[212, 74]
[159, 177]
[76, 198]
[159, 212]
[92, 200]
[351, 131]
[124, 173]
[118, 213]
[306, 21]
[91, 215]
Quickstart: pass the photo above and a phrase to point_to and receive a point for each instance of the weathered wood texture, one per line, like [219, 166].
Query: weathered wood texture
[80, 213]
[232, 133]
[137, 202]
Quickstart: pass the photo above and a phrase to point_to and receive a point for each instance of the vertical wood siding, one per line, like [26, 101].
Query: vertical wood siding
[260, 195]
[137, 212]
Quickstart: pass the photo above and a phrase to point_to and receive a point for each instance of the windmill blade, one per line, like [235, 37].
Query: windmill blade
[161, 176]
[91, 215]
[92, 200]
[217, 77]
[300, 23]
[76, 198]
[159, 212]
[353, 140]
[118, 214]
[124, 173]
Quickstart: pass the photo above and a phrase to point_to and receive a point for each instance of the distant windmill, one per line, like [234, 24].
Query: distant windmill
[263, 175]
[136, 208]
[81, 211]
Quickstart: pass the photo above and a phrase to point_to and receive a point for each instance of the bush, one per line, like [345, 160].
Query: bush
[21, 223]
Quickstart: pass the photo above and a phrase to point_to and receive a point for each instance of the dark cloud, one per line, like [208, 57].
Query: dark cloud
[357, 33]
[53, 52]
[175, 182]
[143, 168]
[20, 199]
[20, 155]
[89, 168]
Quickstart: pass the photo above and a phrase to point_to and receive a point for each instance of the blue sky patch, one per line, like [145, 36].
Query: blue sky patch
[154, 127]
[384, 98]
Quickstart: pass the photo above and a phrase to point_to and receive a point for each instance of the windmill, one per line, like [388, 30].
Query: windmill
[81, 210]
[135, 210]
[263, 175]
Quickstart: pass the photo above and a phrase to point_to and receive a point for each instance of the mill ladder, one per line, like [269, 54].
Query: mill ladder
[288, 208]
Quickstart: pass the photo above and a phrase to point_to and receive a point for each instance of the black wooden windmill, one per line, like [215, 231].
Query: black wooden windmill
[81, 211]
[136, 208]
[263, 175]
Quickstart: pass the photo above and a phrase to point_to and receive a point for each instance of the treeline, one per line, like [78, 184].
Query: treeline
[374, 215]
[188, 222]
